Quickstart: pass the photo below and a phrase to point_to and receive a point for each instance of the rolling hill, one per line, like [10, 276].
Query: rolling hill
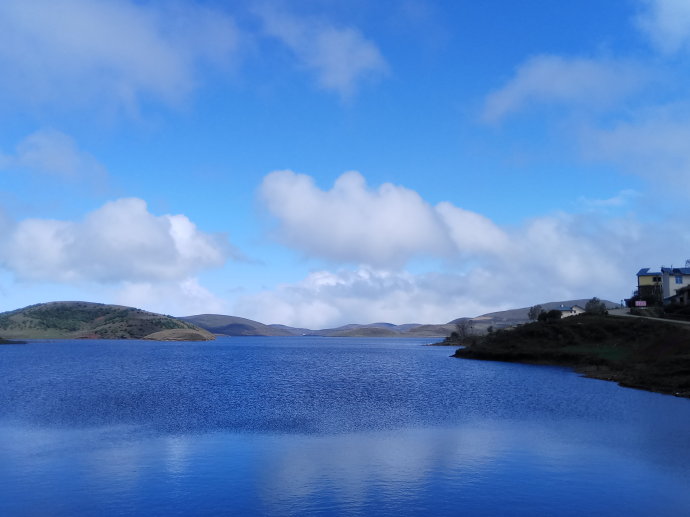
[57, 320]
[235, 326]
[75, 320]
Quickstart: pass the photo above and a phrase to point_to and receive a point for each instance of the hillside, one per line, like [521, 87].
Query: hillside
[235, 326]
[74, 320]
[385, 330]
[635, 352]
[511, 317]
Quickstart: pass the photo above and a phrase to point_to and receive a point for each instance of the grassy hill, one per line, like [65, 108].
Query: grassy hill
[635, 352]
[235, 326]
[511, 317]
[73, 320]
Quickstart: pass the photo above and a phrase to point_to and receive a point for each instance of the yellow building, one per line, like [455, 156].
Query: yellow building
[649, 285]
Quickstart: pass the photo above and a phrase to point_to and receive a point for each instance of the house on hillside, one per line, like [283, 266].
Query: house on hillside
[682, 296]
[570, 311]
[660, 287]
[649, 286]
[673, 279]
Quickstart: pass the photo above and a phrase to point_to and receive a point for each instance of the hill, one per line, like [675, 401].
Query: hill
[512, 317]
[235, 326]
[636, 352]
[74, 320]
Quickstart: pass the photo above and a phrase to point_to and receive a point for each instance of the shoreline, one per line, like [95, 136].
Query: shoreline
[634, 353]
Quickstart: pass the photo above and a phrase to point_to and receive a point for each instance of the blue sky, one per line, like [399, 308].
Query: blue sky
[315, 162]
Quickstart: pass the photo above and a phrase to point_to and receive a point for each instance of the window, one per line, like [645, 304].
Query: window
[679, 279]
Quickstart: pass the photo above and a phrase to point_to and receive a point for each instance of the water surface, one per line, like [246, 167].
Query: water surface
[294, 426]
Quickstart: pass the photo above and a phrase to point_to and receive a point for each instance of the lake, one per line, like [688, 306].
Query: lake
[326, 426]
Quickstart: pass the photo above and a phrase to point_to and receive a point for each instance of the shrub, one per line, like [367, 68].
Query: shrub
[595, 306]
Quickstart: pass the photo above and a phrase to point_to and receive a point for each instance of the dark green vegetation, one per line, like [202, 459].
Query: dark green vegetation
[73, 320]
[635, 352]
[672, 312]
[10, 342]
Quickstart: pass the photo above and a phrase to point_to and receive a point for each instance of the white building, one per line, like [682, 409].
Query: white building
[672, 279]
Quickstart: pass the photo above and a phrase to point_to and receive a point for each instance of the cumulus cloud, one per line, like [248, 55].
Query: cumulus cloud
[582, 82]
[121, 241]
[472, 233]
[178, 298]
[327, 299]
[391, 225]
[78, 51]
[547, 259]
[483, 267]
[341, 57]
[667, 24]
[54, 153]
[351, 222]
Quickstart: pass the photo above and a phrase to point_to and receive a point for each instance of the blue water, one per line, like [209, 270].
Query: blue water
[314, 426]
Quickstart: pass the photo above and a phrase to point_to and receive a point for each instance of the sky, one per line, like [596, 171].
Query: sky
[321, 162]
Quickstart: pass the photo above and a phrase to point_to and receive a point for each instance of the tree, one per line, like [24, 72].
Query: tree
[552, 315]
[534, 312]
[463, 330]
[595, 306]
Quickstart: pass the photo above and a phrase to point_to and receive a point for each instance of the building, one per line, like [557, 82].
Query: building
[673, 279]
[649, 286]
[570, 311]
[682, 296]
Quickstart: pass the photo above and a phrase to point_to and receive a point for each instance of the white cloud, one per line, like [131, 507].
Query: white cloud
[178, 298]
[485, 266]
[351, 222]
[653, 145]
[112, 51]
[364, 295]
[584, 83]
[547, 259]
[54, 153]
[341, 57]
[121, 241]
[389, 226]
[620, 200]
[472, 233]
[667, 24]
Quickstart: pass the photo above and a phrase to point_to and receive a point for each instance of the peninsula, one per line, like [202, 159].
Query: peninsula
[635, 352]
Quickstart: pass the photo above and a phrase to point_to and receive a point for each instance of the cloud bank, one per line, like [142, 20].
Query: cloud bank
[121, 253]
[479, 265]
[58, 52]
[121, 241]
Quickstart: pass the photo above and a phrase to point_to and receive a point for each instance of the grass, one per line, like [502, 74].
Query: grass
[84, 320]
[637, 352]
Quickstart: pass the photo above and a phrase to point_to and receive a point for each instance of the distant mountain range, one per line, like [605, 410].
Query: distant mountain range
[71, 320]
[235, 326]
[74, 320]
